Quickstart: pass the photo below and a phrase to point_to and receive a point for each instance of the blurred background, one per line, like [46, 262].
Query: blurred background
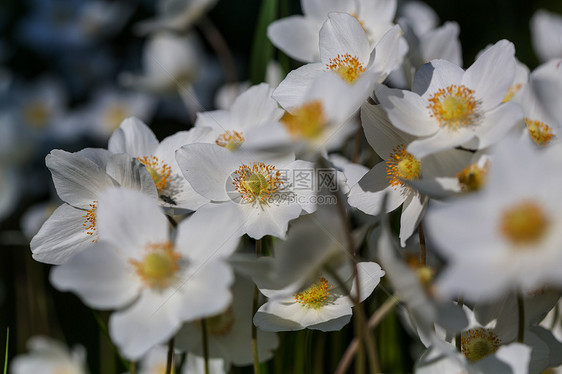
[71, 70]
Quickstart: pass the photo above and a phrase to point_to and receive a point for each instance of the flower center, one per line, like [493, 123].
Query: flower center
[524, 223]
[307, 121]
[511, 92]
[478, 343]
[37, 114]
[315, 296]
[159, 171]
[90, 219]
[159, 266]
[257, 182]
[473, 177]
[115, 114]
[539, 132]
[347, 66]
[231, 140]
[454, 107]
[221, 324]
[402, 165]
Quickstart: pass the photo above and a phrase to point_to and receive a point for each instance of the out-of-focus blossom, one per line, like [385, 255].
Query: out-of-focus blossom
[297, 36]
[177, 15]
[49, 356]
[230, 333]
[546, 31]
[155, 282]
[450, 107]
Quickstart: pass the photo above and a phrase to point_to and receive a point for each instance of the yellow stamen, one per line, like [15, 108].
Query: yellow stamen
[90, 219]
[159, 266]
[307, 121]
[231, 140]
[539, 132]
[115, 114]
[315, 296]
[402, 165]
[454, 107]
[478, 343]
[525, 223]
[511, 92]
[473, 177]
[258, 182]
[159, 171]
[347, 66]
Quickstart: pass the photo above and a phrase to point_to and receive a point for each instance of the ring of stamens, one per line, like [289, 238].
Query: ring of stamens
[307, 121]
[402, 165]
[159, 171]
[316, 295]
[473, 177]
[258, 182]
[478, 343]
[454, 106]
[347, 66]
[159, 266]
[90, 219]
[231, 140]
[524, 223]
[540, 132]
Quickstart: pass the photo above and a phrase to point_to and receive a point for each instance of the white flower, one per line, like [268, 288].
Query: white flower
[176, 15]
[80, 178]
[49, 356]
[137, 140]
[507, 235]
[297, 36]
[546, 31]
[451, 107]
[323, 305]
[259, 194]
[390, 177]
[230, 333]
[155, 283]
[346, 52]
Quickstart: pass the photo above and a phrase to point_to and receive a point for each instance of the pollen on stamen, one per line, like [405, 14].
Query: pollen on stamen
[478, 343]
[258, 182]
[540, 132]
[473, 177]
[513, 89]
[307, 121]
[231, 140]
[347, 66]
[402, 165]
[454, 107]
[316, 295]
[159, 171]
[90, 220]
[524, 223]
[159, 266]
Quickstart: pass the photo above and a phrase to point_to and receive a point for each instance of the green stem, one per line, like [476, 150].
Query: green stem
[133, 367]
[6, 354]
[521, 320]
[254, 310]
[205, 344]
[103, 328]
[170, 358]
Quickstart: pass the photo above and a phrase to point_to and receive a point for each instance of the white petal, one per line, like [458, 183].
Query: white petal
[295, 36]
[342, 34]
[255, 107]
[268, 220]
[134, 138]
[436, 75]
[101, 276]
[442, 43]
[442, 140]
[389, 53]
[61, 236]
[130, 173]
[370, 274]
[498, 123]
[292, 89]
[492, 73]
[412, 212]
[130, 220]
[78, 180]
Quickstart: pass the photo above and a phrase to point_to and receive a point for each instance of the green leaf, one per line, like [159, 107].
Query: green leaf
[262, 49]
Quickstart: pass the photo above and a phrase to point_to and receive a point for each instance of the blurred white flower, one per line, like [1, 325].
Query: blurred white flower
[176, 15]
[546, 34]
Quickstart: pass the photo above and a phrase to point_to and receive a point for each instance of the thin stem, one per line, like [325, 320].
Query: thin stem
[423, 255]
[133, 367]
[205, 334]
[216, 40]
[103, 328]
[521, 324]
[6, 354]
[170, 358]
[254, 310]
[458, 340]
[374, 321]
